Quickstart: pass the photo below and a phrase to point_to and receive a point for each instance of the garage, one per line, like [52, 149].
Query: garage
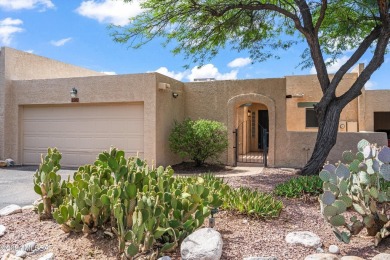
[81, 132]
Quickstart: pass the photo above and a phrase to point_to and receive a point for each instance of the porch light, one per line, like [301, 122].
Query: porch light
[249, 113]
[175, 95]
[73, 93]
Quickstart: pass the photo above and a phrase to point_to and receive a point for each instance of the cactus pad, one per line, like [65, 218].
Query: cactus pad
[354, 166]
[337, 220]
[364, 178]
[367, 152]
[342, 171]
[340, 206]
[362, 144]
[348, 156]
[324, 175]
[330, 211]
[385, 171]
[328, 198]
[330, 168]
[384, 155]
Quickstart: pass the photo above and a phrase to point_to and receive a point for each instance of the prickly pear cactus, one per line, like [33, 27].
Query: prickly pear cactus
[360, 183]
[47, 183]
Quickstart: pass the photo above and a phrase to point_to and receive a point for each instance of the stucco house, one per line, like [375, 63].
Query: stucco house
[136, 112]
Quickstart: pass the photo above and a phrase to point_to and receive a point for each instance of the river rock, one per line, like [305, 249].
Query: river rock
[49, 256]
[205, 244]
[333, 249]
[10, 209]
[381, 256]
[350, 257]
[305, 238]
[2, 230]
[321, 257]
[260, 258]
[8, 256]
[29, 247]
[21, 253]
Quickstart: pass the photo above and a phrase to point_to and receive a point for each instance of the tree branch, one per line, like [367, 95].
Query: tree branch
[324, 6]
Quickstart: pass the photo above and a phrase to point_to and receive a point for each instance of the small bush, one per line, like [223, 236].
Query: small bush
[246, 201]
[297, 187]
[198, 140]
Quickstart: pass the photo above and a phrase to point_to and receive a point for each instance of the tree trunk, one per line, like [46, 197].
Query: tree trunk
[328, 125]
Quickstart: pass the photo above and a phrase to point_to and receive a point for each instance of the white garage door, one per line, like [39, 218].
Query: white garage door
[81, 132]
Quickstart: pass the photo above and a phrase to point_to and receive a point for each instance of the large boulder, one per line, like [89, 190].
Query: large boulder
[203, 244]
[381, 256]
[305, 238]
[10, 209]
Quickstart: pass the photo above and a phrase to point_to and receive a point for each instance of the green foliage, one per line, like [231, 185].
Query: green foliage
[361, 184]
[47, 183]
[299, 186]
[198, 140]
[252, 203]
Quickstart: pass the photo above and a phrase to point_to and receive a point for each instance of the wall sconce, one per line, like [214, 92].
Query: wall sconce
[249, 113]
[175, 95]
[73, 95]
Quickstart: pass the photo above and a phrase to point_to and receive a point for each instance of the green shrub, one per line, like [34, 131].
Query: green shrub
[299, 186]
[198, 140]
[246, 201]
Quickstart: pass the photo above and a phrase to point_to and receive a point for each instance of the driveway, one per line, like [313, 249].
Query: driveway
[16, 185]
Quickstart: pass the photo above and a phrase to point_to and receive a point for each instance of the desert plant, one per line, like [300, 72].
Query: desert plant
[47, 183]
[198, 140]
[252, 203]
[299, 186]
[361, 183]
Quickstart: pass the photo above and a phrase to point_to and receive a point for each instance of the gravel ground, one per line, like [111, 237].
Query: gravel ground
[242, 236]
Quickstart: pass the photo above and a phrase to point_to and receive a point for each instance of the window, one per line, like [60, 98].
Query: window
[311, 118]
[253, 124]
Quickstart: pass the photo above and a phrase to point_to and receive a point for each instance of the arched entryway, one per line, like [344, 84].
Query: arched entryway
[248, 116]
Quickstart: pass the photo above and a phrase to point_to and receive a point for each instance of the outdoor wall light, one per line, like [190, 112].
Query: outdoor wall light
[175, 95]
[249, 113]
[73, 95]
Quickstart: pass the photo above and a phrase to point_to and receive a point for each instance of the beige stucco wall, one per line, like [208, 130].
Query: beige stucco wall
[374, 101]
[309, 86]
[299, 146]
[91, 90]
[219, 100]
[168, 110]
[19, 65]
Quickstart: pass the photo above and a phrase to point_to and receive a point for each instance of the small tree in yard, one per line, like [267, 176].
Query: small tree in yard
[198, 140]
[328, 27]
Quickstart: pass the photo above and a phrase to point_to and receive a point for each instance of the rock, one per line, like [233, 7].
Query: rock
[305, 238]
[49, 256]
[8, 256]
[28, 247]
[260, 258]
[245, 221]
[351, 258]
[321, 257]
[21, 253]
[28, 207]
[320, 250]
[333, 249]
[37, 201]
[381, 256]
[10, 209]
[3, 164]
[164, 258]
[2, 230]
[205, 244]
[10, 162]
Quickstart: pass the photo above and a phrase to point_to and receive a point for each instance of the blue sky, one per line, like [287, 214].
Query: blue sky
[76, 32]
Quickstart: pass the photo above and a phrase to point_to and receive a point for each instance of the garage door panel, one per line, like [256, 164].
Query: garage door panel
[81, 132]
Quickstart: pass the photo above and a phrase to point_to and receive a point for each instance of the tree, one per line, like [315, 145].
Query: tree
[201, 28]
[198, 140]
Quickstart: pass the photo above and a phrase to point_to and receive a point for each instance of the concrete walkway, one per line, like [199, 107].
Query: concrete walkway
[16, 183]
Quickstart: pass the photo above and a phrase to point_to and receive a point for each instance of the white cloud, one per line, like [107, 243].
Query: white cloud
[8, 27]
[61, 42]
[108, 11]
[370, 84]
[109, 72]
[26, 4]
[29, 51]
[172, 74]
[333, 68]
[239, 62]
[210, 71]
